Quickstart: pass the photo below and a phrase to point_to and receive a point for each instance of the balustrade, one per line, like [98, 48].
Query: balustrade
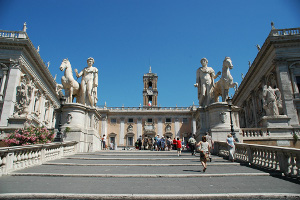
[15, 158]
[13, 34]
[285, 160]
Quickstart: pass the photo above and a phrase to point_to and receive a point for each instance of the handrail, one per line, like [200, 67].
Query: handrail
[281, 159]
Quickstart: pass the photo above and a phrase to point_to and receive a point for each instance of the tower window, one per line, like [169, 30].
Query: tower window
[150, 84]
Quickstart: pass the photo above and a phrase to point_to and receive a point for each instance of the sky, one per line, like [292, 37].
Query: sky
[125, 37]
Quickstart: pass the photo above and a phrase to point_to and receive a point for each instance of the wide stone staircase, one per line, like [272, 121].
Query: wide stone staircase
[145, 175]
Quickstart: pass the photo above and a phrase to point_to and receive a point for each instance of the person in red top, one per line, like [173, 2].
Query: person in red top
[174, 144]
[178, 147]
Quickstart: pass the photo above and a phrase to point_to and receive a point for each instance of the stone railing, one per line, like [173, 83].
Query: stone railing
[257, 133]
[281, 159]
[13, 34]
[283, 32]
[145, 108]
[20, 157]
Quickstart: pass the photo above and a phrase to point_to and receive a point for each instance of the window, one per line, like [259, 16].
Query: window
[130, 120]
[113, 120]
[168, 120]
[129, 141]
[149, 120]
[185, 120]
[150, 84]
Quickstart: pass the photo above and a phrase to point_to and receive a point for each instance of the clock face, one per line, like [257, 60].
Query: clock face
[149, 91]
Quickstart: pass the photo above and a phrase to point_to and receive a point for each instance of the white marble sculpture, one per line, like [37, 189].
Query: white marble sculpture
[23, 97]
[89, 83]
[204, 82]
[271, 100]
[70, 85]
[221, 87]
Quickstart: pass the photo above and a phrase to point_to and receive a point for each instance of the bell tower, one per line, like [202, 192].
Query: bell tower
[150, 92]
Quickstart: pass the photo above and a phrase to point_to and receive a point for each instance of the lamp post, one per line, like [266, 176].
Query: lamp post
[59, 137]
[229, 101]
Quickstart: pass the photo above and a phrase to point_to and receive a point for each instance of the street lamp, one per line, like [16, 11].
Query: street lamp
[59, 137]
[229, 101]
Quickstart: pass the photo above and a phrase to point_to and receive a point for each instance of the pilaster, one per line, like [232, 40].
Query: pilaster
[284, 82]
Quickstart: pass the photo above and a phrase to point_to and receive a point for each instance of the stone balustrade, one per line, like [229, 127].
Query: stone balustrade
[145, 108]
[13, 34]
[256, 133]
[283, 32]
[281, 159]
[20, 157]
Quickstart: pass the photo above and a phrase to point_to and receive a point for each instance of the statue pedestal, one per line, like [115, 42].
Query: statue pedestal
[83, 122]
[277, 121]
[215, 119]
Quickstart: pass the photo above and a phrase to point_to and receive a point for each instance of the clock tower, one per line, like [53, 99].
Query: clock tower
[150, 92]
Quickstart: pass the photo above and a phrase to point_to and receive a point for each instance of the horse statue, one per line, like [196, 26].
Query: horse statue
[70, 85]
[221, 87]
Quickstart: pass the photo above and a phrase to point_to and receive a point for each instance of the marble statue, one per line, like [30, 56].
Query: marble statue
[271, 100]
[89, 83]
[221, 88]
[23, 97]
[70, 85]
[204, 82]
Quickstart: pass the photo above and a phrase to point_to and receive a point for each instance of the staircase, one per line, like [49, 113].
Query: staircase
[145, 175]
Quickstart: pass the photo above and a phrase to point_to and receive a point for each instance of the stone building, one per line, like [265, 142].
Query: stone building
[269, 94]
[27, 88]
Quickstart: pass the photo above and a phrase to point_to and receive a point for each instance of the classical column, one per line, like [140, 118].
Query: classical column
[3, 83]
[254, 108]
[284, 83]
[10, 94]
[139, 128]
[42, 107]
[159, 127]
[177, 130]
[194, 125]
[104, 125]
[122, 131]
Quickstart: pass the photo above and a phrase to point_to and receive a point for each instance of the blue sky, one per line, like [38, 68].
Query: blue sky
[126, 36]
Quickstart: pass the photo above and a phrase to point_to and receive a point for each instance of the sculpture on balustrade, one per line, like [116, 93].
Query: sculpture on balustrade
[221, 87]
[204, 82]
[271, 101]
[89, 83]
[70, 85]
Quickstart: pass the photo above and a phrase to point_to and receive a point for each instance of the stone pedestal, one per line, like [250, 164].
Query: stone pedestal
[278, 121]
[215, 119]
[83, 122]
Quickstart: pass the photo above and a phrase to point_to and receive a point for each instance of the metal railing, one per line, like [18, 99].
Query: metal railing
[20, 157]
[280, 159]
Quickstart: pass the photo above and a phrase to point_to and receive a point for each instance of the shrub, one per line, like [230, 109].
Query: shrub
[30, 135]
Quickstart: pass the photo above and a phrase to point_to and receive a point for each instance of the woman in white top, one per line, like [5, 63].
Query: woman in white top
[204, 152]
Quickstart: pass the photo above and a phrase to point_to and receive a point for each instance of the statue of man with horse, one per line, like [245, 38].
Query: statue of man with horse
[86, 92]
[208, 90]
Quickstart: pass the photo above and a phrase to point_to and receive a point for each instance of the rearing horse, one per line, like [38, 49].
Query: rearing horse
[221, 88]
[70, 85]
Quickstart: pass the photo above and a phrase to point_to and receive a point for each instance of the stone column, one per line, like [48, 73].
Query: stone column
[139, 128]
[159, 127]
[3, 83]
[254, 108]
[41, 109]
[10, 96]
[122, 133]
[194, 125]
[284, 82]
[177, 131]
[103, 125]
